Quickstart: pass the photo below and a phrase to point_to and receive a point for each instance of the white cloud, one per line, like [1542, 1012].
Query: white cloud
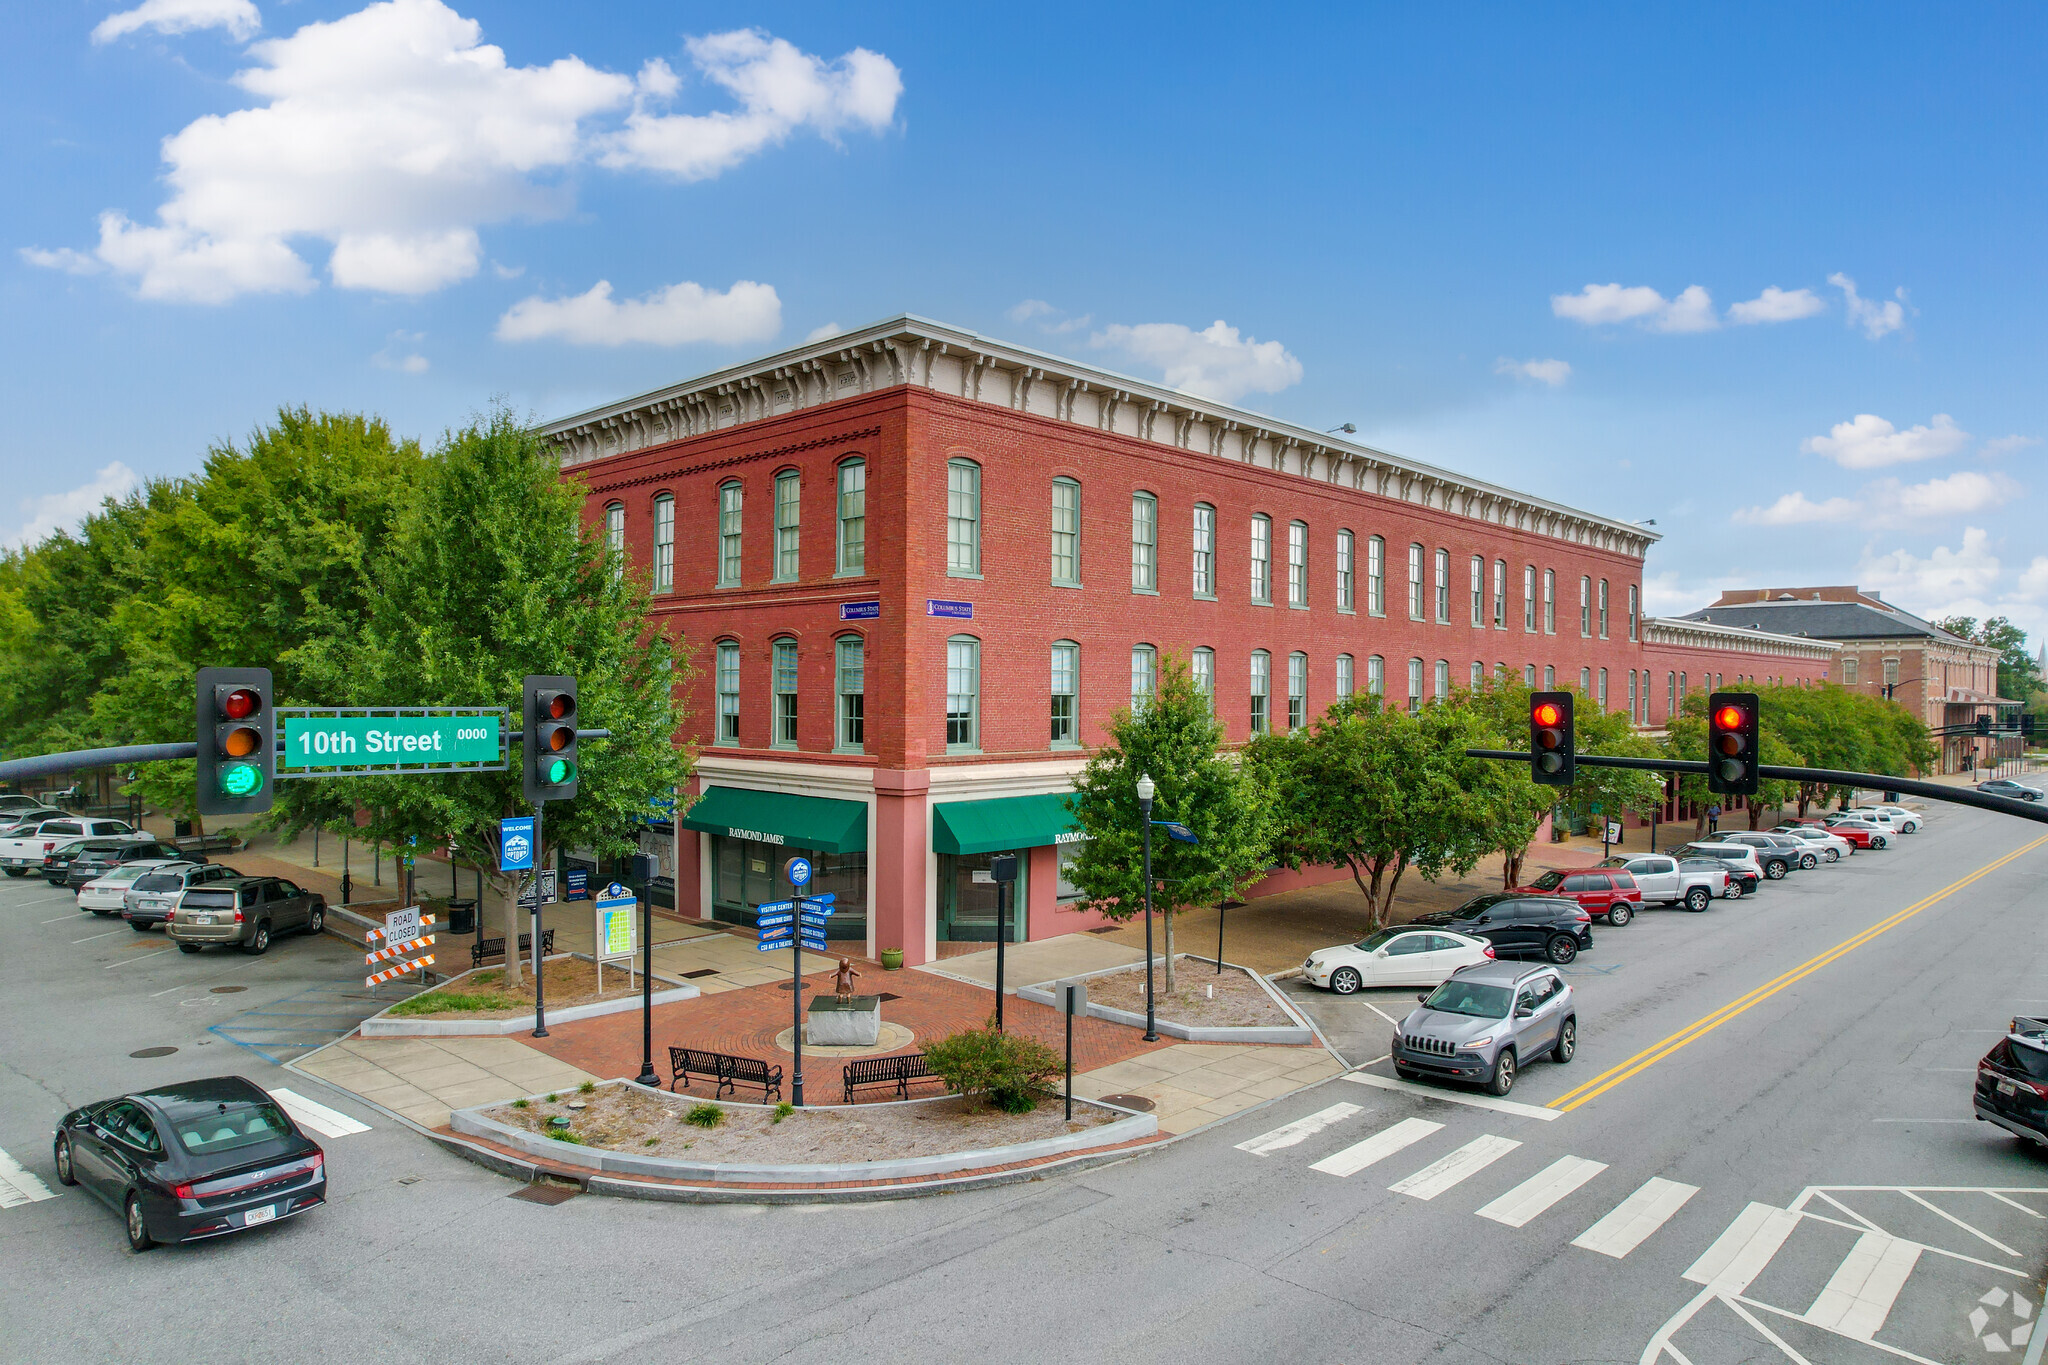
[1602, 304]
[1796, 509]
[63, 258]
[780, 90]
[1932, 584]
[55, 512]
[1029, 309]
[1887, 502]
[2007, 445]
[1777, 305]
[674, 316]
[2032, 584]
[394, 133]
[824, 333]
[1551, 372]
[238, 17]
[398, 354]
[1870, 442]
[1875, 318]
[1217, 362]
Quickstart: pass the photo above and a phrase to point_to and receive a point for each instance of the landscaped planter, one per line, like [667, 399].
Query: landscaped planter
[389, 1025]
[1127, 1127]
[1298, 1032]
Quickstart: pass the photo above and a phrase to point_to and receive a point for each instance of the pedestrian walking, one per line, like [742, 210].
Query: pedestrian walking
[1714, 819]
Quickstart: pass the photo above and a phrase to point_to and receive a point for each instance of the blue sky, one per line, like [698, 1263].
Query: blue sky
[1772, 277]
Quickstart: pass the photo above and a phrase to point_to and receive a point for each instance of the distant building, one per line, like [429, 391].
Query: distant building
[1885, 651]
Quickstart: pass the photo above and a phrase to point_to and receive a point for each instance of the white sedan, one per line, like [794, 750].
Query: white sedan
[108, 893]
[1404, 955]
[1907, 820]
[1832, 846]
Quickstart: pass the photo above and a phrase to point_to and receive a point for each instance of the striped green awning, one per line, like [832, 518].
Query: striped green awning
[1002, 824]
[815, 822]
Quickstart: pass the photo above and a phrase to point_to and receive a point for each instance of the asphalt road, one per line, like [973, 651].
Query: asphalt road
[1771, 1098]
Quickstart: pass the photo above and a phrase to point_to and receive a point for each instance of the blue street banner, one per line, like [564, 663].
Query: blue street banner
[771, 921]
[515, 844]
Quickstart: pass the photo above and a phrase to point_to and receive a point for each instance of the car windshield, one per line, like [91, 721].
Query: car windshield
[1380, 939]
[229, 1128]
[1471, 997]
[2030, 1060]
[131, 872]
[76, 846]
[1549, 881]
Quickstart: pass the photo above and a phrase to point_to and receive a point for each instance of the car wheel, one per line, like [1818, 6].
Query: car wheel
[1560, 950]
[1877, 841]
[316, 920]
[1696, 899]
[1734, 892]
[138, 1227]
[1775, 871]
[65, 1175]
[1503, 1078]
[1567, 1042]
[188, 947]
[1834, 855]
[1618, 915]
[139, 926]
[1808, 861]
[1345, 981]
[259, 941]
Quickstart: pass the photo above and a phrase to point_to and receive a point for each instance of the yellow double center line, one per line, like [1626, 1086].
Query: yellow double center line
[1656, 1052]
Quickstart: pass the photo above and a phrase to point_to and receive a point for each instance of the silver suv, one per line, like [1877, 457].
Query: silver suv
[1486, 1022]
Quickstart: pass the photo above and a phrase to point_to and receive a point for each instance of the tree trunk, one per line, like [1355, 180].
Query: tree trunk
[1511, 867]
[513, 977]
[1387, 907]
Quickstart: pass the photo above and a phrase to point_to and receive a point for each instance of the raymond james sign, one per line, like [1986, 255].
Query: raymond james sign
[758, 836]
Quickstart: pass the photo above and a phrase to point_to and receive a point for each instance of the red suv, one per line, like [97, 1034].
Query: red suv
[1603, 894]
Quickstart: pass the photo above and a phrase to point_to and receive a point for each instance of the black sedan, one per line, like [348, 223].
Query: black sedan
[193, 1160]
[1556, 928]
[56, 864]
[95, 863]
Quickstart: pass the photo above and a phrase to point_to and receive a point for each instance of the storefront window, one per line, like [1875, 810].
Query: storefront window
[1066, 892]
[746, 873]
[967, 902]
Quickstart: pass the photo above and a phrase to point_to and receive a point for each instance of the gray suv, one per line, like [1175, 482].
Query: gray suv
[1485, 1023]
[243, 911]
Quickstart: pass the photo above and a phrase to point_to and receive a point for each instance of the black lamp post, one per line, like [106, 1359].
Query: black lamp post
[1147, 789]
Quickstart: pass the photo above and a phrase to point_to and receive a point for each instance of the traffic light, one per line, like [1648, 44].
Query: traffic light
[1731, 743]
[1983, 725]
[550, 722]
[1552, 759]
[236, 727]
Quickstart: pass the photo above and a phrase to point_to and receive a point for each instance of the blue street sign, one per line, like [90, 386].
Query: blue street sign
[770, 921]
[515, 844]
[771, 947]
[816, 945]
[814, 921]
[825, 899]
[771, 907]
[1176, 830]
[799, 870]
[780, 936]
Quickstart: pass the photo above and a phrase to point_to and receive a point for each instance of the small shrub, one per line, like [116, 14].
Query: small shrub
[1010, 1070]
[650, 1142]
[519, 1104]
[552, 1097]
[704, 1115]
[783, 1111]
[565, 1135]
[586, 1088]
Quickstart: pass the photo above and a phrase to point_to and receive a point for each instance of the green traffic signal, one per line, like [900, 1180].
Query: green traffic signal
[240, 779]
[561, 770]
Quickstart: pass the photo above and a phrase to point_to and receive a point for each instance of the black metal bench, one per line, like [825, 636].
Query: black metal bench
[724, 1069]
[495, 947]
[896, 1072]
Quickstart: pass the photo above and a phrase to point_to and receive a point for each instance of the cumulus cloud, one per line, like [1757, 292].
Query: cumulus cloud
[1888, 502]
[44, 516]
[1795, 509]
[1217, 362]
[238, 17]
[1606, 304]
[394, 133]
[1931, 583]
[63, 258]
[1870, 442]
[1776, 305]
[1029, 309]
[2032, 584]
[1551, 372]
[398, 354]
[823, 333]
[674, 316]
[1875, 317]
[2007, 445]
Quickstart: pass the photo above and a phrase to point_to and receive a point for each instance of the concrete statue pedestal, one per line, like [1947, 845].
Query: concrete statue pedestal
[855, 1022]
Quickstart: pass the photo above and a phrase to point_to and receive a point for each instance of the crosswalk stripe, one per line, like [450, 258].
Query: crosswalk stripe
[1629, 1224]
[1378, 1147]
[1434, 1092]
[328, 1123]
[1864, 1286]
[19, 1186]
[1540, 1191]
[1474, 1157]
[1299, 1131]
[1739, 1254]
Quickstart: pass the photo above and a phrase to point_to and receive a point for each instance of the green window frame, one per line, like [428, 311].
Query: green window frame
[1528, 599]
[1204, 565]
[1415, 684]
[1202, 672]
[1443, 587]
[852, 555]
[664, 544]
[1416, 589]
[963, 519]
[1550, 601]
[1144, 542]
[1346, 667]
[1066, 694]
[728, 682]
[1376, 675]
[783, 684]
[731, 505]
[1262, 559]
[1297, 690]
[789, 506]
[1376, 576]
[1144, 677]
[1262, 690]
[850, 676]
[615, 536]
[963, 695]
[1066, 533]
[1297, 564]
[1347, 587]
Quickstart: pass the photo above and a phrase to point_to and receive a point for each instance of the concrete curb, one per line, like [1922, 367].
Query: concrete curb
[379, 1026]
[1303, 1033]
[1129, 1128]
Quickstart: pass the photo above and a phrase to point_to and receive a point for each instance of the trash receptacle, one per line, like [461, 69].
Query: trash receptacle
[461, 917]
[181, 829]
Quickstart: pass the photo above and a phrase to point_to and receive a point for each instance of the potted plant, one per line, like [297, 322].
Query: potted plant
[892, 959]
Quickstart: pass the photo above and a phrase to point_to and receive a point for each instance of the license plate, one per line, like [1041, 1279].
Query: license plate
[2007, 1088]
[202, 919]
[262, 1215]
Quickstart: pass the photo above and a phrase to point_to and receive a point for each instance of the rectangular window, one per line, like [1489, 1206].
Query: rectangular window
[1144, 543]
[1297, 691]
[853, 725]
[1202, 671]
[1478, 592]
[963, 694]
[615, 537]
[1631, 694]
[1549, 678]
[1585, 608]
[1066, 693]
[1262, 559]
[1415, 684]
[1443, 679]
[1262, 686]
[1500, 594]
[730, 501]
[1891, 672]
[1066, 533]
[1376, 676]
[788, 512]
[1603, 608]
[1346, 599]
[1849, 671]
[1529, 598]
[1144, 677]
[1670, 695]
[665, 544]
[1478, 675]
[963, 518]
[1376, 576]
[1443, 587]
[1603, 689]
[1297, 564]
[1585, 682]
[1416, 589]
[853, 517]
[1205, 550]
[1528, 675]
[728, 692]
[785, 694]
[1632, 613]
[1550, 601]
[1344, 686]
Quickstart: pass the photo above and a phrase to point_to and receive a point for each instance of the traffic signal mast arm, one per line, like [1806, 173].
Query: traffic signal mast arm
[44, 765]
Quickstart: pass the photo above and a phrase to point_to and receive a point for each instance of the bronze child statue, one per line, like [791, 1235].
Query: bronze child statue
[842, 981]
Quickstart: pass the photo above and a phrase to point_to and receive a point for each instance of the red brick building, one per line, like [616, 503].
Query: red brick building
[920, 569]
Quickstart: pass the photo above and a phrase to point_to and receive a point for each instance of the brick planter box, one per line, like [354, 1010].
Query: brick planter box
[1298, 1032]
[389, 1025]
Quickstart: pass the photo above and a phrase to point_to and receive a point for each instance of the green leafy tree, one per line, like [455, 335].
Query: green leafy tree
[1175, 740]
[2019, 674]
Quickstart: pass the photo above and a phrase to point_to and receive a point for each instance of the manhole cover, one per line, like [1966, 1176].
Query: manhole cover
[153, 1052]
[701, 971]
[546, 1194]
[1137, 1102]
[228, 990]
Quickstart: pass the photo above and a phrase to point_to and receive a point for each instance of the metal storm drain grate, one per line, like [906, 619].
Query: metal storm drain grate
[227, 990]
[701, 971]
[546, 1194]
[1137, 1102]
[153, 1052]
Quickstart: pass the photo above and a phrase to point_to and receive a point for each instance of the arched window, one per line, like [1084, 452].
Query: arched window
[731, 500]
[1376, 575]
[1202, 673]
[665, 543]
[1528, 675]
[1262, 558]
[789, 506]
[1585, 608]
[615, 536]
[1144, 677]
[853, 517]
[1549, 678]
[1144, 542]
[784, 686]
[1603, 689]
[1066, 694]
[1262, 688]
[1478, 675]
[1066, 533]
[963, 694]
[1585, 682]
[1550, 601]
[1376, 676]
[728, 684]
[1297, 690]
[1529, 599]
[1632, 609]
[851, 668]
[1416, 588]
[1415, 684]
[1631, 694]
[1344, 681]
[1500, 594]
[1443, 679]
[1297, 564]
[963, 518]
[1204, 550]
[1346, 592]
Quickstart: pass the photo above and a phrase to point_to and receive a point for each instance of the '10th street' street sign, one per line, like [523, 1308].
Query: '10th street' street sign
[373, 741]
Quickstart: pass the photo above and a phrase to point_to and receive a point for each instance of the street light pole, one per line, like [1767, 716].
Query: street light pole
[1147, 789]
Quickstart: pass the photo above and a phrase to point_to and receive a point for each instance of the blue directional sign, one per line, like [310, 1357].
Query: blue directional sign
[771, 947]
[1176, 830]
[515, 844]
[799, 871]
[774, 907]
[826, 899]
[812, 922]
[816, 945]
[772, 921]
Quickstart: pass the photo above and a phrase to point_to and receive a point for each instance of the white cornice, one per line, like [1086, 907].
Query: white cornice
[913, 350]
[1672, 632]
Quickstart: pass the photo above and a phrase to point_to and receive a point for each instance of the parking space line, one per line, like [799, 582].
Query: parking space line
[1741, 1252]
[137, 958]
[1447, 1172]
[1943, 1213]
[1265, 1144]
[1631, 1222]
[252, 962]
[1536, 1194]
[91, 938]
[1378, 1147]
[1527, 1111]
[1864, 1286]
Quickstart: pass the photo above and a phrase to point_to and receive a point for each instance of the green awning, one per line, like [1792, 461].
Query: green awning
[1005, 823]
[779, 818]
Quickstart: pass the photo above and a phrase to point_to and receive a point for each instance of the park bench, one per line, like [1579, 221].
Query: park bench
[495, 947]
[725, 1069]
[897, 1072]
